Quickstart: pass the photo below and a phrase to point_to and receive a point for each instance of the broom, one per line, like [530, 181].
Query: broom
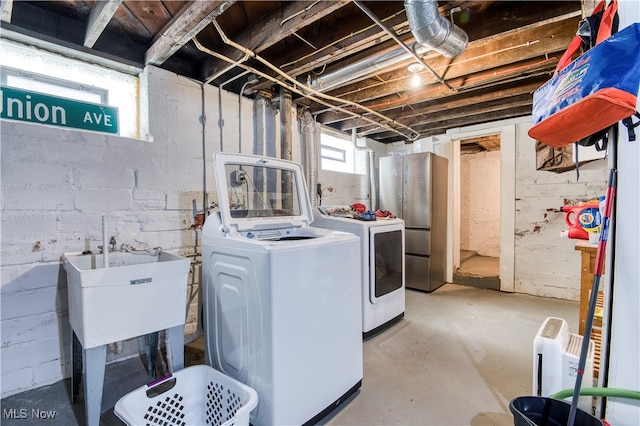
[597, 273]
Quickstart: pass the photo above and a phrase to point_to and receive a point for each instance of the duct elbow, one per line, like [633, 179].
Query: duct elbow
[433, 30]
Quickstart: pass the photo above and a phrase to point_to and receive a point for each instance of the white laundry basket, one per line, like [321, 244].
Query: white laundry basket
[196, 395]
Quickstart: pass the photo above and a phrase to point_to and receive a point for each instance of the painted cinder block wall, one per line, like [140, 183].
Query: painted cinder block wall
[546, 263]
[480, 203]
[57, 183]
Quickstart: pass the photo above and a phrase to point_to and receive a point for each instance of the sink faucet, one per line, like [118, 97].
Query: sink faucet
[112, 241]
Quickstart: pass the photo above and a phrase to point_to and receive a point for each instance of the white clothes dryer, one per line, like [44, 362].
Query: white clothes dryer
[382, 268]
[281, 299]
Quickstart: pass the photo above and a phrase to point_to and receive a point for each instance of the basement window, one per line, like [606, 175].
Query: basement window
[331, 153]
[37, 70]
[339, 154]
[53, 86]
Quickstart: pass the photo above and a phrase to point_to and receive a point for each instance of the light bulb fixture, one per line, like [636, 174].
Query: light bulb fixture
[415, 81]
[415, 67]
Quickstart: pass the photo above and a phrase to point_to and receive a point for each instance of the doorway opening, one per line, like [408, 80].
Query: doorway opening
[480, 212]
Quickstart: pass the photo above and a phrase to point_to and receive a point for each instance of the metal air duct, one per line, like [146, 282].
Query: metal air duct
[361, 69]
[310, 141]
[433, 30]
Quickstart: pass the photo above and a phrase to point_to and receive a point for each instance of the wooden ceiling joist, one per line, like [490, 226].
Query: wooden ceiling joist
[514, 47]
[477, 58]
[99, 17]
[183, 27]
[439, 111]
[441, 127]
[439, 98]
[271, 29]
[6, 6]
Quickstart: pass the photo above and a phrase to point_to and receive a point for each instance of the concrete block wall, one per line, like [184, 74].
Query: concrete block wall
[341, 189]
[544, 264]
[57, 183]
[53, 200]
[480, 203]
[547, 264]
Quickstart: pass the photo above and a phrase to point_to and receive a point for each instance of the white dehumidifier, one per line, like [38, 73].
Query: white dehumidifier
[556, 353]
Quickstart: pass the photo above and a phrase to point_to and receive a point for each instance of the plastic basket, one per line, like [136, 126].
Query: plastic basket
[541, 411]
[196, 395]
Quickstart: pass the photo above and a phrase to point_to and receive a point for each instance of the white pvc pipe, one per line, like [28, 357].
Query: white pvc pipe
[105, 247]
[114, 347]
[372, 180]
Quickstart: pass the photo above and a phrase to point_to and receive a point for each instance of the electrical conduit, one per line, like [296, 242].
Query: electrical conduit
[116, 347]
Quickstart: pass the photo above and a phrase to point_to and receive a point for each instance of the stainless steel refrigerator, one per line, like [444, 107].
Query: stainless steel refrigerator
[414, 188]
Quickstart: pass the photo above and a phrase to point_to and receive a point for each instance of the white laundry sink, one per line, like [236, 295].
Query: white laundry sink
[137, 294]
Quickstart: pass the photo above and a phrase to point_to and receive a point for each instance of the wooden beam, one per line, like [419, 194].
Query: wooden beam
[436, 128]
[6, 6]
[488, 143]
[100, 15]
[481, 55]
[351, 37]
[520, 95]
[441, 127]
[271, 29]
[430, 117]
[183, 27]
[437, 94]
[336, 50]
[464, 116]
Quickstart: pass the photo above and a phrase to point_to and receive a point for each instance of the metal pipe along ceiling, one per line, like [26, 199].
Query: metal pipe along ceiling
[431, 30]
[308, 92]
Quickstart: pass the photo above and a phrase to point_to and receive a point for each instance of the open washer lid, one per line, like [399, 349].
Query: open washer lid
[258, 193]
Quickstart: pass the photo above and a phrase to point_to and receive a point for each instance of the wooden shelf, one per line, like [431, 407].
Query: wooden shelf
[587, 267]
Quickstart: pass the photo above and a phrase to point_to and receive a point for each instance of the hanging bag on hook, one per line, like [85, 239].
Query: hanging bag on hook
[593, 92]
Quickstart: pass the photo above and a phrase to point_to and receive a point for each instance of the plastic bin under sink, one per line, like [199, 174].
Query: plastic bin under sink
[136, 295]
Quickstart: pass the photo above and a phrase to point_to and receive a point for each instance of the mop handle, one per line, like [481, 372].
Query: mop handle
[606, 215]
[599, 266]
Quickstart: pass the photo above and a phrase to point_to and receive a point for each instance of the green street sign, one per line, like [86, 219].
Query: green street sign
[34, 107]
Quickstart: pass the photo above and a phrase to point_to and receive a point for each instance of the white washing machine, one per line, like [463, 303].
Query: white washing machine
[382, 246]
[281, 299]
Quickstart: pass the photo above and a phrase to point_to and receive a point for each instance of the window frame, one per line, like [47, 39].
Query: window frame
[7, 72]
[124, 85]
[342, 153]
[353, 155]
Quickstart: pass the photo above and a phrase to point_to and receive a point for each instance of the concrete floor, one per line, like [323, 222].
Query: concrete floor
[457, 358]
[478, 271]
[473, 264]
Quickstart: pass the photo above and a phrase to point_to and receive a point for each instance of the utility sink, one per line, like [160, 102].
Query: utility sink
[139, 293]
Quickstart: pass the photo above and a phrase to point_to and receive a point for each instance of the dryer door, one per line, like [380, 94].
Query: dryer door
[260, 193]
[386, 261]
